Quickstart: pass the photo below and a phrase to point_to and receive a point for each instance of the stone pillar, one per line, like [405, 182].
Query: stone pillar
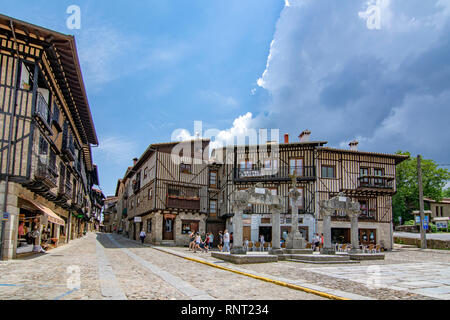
[237, 232]
[326, 226]
[354, 231]
[276, 232]
[295, 239]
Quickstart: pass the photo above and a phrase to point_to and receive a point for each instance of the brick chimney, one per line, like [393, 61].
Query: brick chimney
[286, 138]
[305, 135]
[135, 160]
[354, 145]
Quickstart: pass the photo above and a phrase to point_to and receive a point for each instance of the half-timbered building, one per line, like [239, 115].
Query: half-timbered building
[166, 192]
[272, 166]
[365, 177]
[46, 133]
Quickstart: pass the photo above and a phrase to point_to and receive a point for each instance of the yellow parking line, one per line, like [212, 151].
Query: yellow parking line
[280, 283]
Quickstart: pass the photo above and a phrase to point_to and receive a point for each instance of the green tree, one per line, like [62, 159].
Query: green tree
[446, 193]
[406, 199]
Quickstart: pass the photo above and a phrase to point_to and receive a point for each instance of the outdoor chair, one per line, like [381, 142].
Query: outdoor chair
[370, 248]
[283, 245]
[378, 248]
[308, 246]
[250, 246]
[266, 246]
[343, 247]
[258, 246]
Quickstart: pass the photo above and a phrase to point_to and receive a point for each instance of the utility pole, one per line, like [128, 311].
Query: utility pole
[423, 236]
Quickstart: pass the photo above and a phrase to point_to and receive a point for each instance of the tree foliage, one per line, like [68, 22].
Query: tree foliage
[406, 199]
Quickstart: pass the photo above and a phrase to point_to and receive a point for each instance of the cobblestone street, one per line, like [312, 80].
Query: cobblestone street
[112, 267]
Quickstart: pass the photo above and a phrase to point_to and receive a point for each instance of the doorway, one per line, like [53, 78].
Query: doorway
[340, 235]
[168, 227]
[266, 232]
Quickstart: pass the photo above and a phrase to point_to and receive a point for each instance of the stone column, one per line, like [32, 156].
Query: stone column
[327, 246]
[276, 230]
[237, 232]
[354, 231]
[295, 239]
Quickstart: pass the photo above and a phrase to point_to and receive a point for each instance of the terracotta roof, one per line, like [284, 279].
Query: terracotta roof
[398, 157]
[444, 200]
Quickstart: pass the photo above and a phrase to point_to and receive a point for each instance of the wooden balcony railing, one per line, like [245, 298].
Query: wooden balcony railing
[376, 182]
[272, 174]
[176, 202]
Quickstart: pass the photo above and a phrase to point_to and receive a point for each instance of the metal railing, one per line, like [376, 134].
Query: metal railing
[42, 109]
[46, 172]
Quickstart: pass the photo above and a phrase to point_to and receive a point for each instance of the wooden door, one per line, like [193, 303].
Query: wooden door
[247, 233]
[168, 228]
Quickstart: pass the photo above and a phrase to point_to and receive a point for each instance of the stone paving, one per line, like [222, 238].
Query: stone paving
[46, 276]
[112, 267]
[370, 279]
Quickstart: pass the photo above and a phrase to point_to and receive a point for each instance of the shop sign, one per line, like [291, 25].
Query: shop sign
[5, 216]
[137, 219]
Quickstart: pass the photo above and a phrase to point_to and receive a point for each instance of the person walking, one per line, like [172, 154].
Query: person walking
[226, 241]
[142, 235]
[321, 240]
[261, 240]
[220, 246]
[191, 240]
[316, 241]
[211, 240]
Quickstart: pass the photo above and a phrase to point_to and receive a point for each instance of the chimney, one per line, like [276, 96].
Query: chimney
[135, 160]
[305, 135]
[286, 138]
[354, 145]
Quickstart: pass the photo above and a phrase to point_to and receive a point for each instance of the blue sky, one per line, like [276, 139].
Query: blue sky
[151, 67]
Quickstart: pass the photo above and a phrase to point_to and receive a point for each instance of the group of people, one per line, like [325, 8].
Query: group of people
[200, 243]
[317, 242]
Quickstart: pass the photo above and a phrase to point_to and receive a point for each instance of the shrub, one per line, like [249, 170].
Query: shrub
[432, 227]
[409, 223]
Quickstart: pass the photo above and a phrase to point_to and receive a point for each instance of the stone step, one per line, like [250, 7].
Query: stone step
[323, 262]
[298, 251]
[168, 243]
[320, 257]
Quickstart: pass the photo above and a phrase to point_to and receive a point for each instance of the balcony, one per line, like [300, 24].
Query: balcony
[46, 174]
[68, 150]
[274, 174]
[43, 114]
[185, 203]
[65, 190]
[380, 184]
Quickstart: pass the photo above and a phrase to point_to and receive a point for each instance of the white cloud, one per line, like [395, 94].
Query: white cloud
[117, 150]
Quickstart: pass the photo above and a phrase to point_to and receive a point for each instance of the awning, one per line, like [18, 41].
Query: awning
[52, 217]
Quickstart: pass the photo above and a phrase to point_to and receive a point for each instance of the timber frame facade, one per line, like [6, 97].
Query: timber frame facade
[322, 173]
[46, 132]
[165, 193]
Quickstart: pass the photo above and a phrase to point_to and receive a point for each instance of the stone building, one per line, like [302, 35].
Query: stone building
[165, 192]
[46, 129]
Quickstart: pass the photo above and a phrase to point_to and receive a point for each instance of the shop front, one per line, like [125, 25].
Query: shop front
[39, 227]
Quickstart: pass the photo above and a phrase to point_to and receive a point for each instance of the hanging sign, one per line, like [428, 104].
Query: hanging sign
[5, 216]
[137, 219]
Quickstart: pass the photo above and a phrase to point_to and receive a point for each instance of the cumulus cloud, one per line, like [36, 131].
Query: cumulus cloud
[327, 71]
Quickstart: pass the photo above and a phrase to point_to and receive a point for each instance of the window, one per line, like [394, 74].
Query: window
[213, 179]
[150, 193]
[273, 191]
[246, 165]
[55, 113]
[138, 201]
[213, 208]
[364, 172]
[43, 146]
[296, 166]
[185, 168]
[378, 172]
[328, 172]
[189, 225]
[145, 173]
[173, 192]
[149, 226]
